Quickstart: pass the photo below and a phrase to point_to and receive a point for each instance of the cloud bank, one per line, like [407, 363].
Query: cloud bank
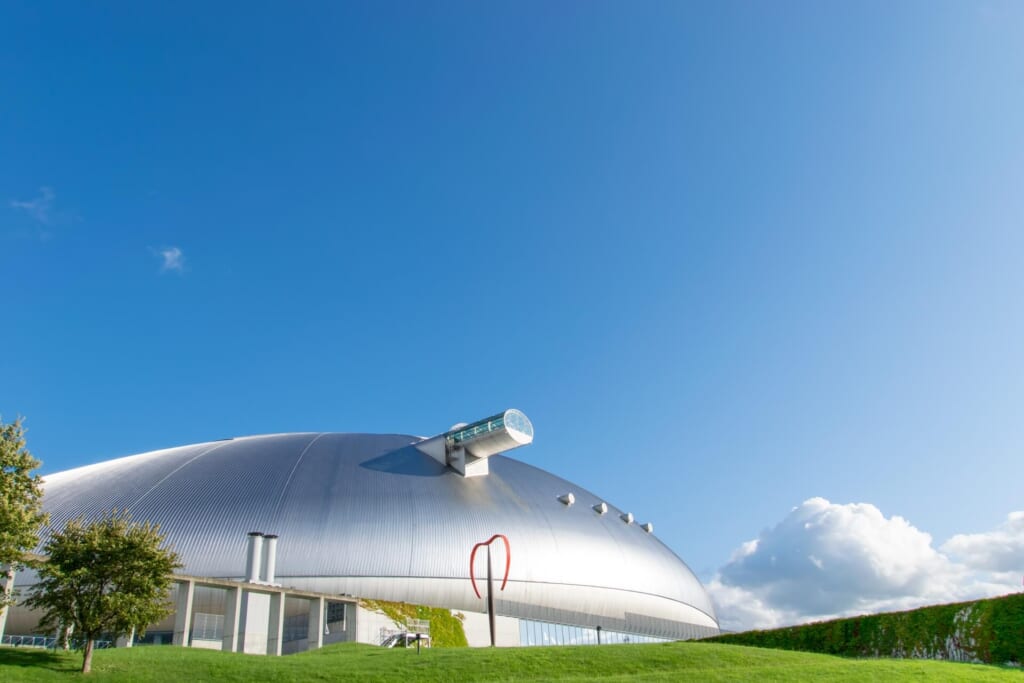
[826, 560]
[1000, 551]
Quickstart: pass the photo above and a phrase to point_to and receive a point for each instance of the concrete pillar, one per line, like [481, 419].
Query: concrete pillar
[126, 641]
[183, 613]
[275, 629]
[5, 594]
[269, 558]
[316, 623]
[254, 561]
[64, 636]
[255, 616]
[351, 623]
[232, 618]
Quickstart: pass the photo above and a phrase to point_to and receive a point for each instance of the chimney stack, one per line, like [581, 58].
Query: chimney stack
[254, 560]
[269, 558]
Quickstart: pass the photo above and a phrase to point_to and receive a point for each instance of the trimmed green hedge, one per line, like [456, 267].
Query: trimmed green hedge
[990, 631]
[445, 629]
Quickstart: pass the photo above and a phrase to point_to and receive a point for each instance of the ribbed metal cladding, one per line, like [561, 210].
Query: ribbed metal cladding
[370, 515]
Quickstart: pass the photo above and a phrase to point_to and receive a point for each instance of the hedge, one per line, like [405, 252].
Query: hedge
[989, 631]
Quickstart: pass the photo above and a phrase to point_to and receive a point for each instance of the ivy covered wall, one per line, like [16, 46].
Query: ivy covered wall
[989, 631]
[445, 629]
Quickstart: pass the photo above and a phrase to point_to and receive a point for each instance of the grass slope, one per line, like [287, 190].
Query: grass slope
[660, 662]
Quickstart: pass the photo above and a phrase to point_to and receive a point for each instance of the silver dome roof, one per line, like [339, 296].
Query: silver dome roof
[370, 515]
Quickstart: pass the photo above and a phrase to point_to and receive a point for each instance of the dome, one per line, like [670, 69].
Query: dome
[372, 516]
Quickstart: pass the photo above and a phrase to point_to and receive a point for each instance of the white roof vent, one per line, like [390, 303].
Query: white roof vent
[627, 517]
[567, 499]
[648, 527]
[601, 508]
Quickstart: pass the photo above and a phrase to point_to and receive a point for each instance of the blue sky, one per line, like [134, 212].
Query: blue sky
[733, 259]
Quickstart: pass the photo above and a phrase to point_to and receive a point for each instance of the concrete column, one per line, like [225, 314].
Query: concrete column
[4, 595]
[64, 635]
[269, 558]
[253, 635]
[126, 641]
[275, 629]
[232, 618]
[316, 623]
[351, 623]
[183, 613]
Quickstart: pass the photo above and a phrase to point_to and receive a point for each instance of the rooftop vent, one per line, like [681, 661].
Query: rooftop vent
[261, 558]
[567, 499]
[648, 527]
[254, 558]
[601, 508]
[269, 573]
[627, 517]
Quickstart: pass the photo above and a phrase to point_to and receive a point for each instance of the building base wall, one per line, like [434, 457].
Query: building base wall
[478, 630]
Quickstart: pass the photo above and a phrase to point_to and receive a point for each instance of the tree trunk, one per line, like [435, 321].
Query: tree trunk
[87, 658]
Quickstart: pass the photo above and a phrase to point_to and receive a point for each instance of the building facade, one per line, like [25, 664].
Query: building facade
[396, 517]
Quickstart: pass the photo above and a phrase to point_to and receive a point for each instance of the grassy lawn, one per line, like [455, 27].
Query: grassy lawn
[661, 662]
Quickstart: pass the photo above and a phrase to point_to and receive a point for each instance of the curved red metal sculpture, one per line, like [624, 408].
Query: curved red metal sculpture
[490, 579]
[508, 561]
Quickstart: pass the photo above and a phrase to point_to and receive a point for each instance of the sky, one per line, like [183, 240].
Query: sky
[754, 270]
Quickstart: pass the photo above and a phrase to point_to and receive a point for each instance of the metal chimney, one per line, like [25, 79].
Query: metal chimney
[253, 561]
[269, 558]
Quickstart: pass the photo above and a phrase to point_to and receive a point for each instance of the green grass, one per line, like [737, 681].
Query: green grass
[661, 662]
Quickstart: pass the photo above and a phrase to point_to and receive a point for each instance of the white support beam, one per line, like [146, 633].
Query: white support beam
[4, 595]
[316, 624]
[275, 629]
[183, 612]
[126, 641]
[232, 618]
[64, 636]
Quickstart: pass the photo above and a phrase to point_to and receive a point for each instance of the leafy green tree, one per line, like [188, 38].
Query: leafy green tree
[21, 494]
[110, 576]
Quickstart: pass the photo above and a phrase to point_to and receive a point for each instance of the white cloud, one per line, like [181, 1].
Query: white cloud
[172, 259]
[740, 609]
[40, 208]
[1000, 551]
[825, 560]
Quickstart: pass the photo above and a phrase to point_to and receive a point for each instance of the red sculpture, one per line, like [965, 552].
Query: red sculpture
[490, 580]
[508, 560]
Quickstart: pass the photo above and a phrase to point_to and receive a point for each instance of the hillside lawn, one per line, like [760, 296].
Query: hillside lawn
[349, 661]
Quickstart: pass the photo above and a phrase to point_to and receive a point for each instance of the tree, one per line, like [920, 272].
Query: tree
[21, 494]
[110, 576]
